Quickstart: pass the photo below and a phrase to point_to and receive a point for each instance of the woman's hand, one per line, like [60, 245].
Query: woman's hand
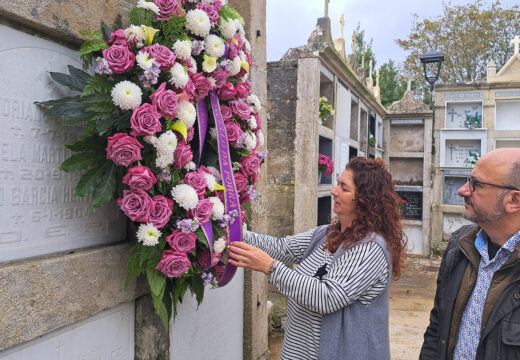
[249, 257]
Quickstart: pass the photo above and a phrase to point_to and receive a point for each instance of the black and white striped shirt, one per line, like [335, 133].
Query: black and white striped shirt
[360, 274]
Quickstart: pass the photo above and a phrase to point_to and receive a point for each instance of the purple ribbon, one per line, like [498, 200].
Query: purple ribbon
[202, 117]
[228, 180]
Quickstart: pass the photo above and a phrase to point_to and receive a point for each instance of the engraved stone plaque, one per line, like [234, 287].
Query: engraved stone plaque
[451, 186]
[37, 207]
[462, 114]
[457, 151]
[107, 335]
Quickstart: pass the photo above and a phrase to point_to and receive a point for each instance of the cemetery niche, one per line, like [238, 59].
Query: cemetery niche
[410, 203]
[464, 115]
[452, 183]
[460, 147]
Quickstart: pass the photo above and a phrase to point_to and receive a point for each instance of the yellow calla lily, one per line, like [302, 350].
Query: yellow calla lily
[180, 127]
[245, 65]
[209, 64]
[149, 33]
[219, 187]
[234, 41]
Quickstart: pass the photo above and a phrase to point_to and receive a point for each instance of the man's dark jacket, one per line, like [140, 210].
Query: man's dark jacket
[500, 335]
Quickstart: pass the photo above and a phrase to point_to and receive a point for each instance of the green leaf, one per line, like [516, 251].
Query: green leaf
[106, 188]
[227, 12]
[104, 124]
[67, 81]
[82, 161]
[197, 288]
[243, 153]
[162, 310]
[98, 84]
[107, 30]
[140, 16]
[133, 267]
[173, 30]
[88, 182]
[201, 237]
[157, 281]
[87, 144]
[79, 75]
[178, 291]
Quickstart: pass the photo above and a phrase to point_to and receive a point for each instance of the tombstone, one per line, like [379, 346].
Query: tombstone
[411, 208]
[507, 115]
[457, 151]
[451, 186]
[461, 115]
[37, 201]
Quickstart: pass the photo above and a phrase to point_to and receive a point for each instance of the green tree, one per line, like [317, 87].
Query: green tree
[364, 47]
[391, 88]
[469, 36]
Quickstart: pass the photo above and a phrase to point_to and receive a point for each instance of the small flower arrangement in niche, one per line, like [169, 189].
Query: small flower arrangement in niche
[325, 165]
[473, 122]
[379, 145]
[372, 140]
[472, 159]
[171, 131]
[325, 110]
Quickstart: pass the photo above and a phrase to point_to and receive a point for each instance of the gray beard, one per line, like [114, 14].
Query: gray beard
[483, 218]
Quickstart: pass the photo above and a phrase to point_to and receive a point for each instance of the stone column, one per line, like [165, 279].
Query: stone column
[255, 284]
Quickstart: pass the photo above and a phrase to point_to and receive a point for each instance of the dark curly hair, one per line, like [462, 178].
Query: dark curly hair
[377, 210]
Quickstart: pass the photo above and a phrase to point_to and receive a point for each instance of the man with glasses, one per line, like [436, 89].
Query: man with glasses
[476, 313]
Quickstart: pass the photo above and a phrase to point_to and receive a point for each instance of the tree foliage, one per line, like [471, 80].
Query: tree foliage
[364, 46]
[391, 87]
[469, 36]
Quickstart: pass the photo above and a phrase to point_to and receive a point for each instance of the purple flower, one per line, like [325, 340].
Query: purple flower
[187, 225]
[197, 47]
[102, 67]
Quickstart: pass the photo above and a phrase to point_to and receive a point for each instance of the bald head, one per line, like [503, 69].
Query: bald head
[502, 165]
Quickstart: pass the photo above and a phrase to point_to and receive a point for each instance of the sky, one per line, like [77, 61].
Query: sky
[289, 23]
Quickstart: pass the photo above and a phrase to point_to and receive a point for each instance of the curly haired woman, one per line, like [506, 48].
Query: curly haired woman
[338, 295]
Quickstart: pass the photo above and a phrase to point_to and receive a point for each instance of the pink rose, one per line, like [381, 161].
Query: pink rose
[166, 101]
[119, 58]
[181, 242]
[249, 59]
[234, 132]
[117, 38]
[182, 156]
[241, 109]
[227, 115]
[139, 178]
[202, 86]
[160, 211]
[187, 91]
[136, 205]
[220, 77]
[239, 40]
[204, 170]
[164, 56]
[219, 271]
[233, 51]
[253, 178]
[217, 4]
[226, 92]
[190, 133]
[258, 121]
[243, 216]
[197, 181]
[204, 260]
[250, 164]
[167, 8]
[210, 11]
[203, 210]
[173, 264]
[123, 149]
[145, 120]
[240, 182]
[242, 90]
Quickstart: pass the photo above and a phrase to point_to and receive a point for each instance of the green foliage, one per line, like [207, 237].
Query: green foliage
[88, 182]
[364, 51]
[201, 237]
[229, 13]
[391, 88]
[140, 16]
[469, 36]
[91, 46]
[106, 188]
[173, 30]
[97, 84]
[75, 81]
[82, 161]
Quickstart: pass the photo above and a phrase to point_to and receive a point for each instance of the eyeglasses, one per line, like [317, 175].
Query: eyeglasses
[474, 182]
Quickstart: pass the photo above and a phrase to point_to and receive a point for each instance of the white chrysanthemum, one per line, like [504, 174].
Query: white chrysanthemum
[244, 78]
[164, 160]
[136, 33]
[218, 208]
[252, 123]
[190, 166]
[219, 245]
[248, 45]
[152, 140]
[243, 56]
[214, 46]
[212, 81]
[186, 196]
[193, 67]
[240, 28]
[167, 143]
[254, 101]
[260, 136]
[211, 181]
[249, 141]
[187, 113]
[227, 28]
[148, 234]
[149, 6]
[215, 173]
[144, 61]
[197, 21]
[213, 132]
[236, 65]
[180, 76]
[127, 95]
[182, 49]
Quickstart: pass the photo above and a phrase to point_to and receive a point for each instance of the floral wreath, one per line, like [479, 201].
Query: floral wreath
[170, 130]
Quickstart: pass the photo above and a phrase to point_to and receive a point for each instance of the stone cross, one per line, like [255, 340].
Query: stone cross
[516, 42]
[370, 68]
[452, 147]
[377, 78]
[363, 59]
[327, 8]
[409, 84]
[341, 24]
[353, 43]
[452, 112]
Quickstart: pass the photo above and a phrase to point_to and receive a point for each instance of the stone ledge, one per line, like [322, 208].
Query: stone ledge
[44, 294]
[62, 20]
